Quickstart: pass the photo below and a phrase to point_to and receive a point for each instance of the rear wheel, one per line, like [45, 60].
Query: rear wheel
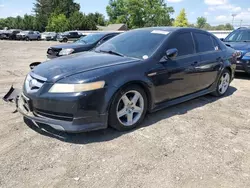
[223, 83]
[128, 109]
[27, 38]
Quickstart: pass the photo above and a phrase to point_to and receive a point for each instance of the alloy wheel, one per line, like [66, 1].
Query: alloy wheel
[130, 108]
[224, 83]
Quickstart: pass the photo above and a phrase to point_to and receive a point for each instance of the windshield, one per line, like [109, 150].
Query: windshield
[137, 43]
[91, 38]
[238, 36]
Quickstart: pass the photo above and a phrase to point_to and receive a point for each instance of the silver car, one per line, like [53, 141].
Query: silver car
[29, 35]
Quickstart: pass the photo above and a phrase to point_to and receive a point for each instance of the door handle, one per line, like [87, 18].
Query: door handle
[194, 63]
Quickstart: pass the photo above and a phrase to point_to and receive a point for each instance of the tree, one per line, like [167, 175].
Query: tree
[117, 11]
[181, 20]
[80, 21]
[57, 23]
[98, 18]
[44, 8]
[201, 22]
[139, 13]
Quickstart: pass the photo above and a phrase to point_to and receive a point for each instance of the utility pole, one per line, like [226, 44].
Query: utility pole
[240, 22]
[233, 15]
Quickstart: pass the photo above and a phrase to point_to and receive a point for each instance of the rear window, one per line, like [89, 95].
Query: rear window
[204, 43]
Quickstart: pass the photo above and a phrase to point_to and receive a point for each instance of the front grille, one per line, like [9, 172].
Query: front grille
[54, 51]
[53, 115]
[34, 82]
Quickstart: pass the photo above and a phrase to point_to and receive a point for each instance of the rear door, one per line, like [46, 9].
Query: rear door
[211, 59]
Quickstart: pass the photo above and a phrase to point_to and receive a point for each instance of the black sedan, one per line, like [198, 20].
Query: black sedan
[85, 43]
[139, 71]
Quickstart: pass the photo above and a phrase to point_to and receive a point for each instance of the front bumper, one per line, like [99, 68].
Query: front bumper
[243, 65]
[72, 114]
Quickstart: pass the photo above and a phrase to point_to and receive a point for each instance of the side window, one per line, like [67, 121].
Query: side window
[183, 43]
[74, 34]
[204, 42]
[216, 44]
[107, 38]
[31, 32]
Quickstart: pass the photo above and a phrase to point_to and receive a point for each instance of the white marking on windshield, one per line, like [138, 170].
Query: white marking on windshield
[160, 32]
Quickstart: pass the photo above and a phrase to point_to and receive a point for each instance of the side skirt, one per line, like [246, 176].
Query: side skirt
[182, 99]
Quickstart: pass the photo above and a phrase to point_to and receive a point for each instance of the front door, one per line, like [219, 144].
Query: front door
[174, 78]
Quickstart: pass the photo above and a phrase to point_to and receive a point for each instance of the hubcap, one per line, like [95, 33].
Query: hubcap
[130, 108]
[224, 83]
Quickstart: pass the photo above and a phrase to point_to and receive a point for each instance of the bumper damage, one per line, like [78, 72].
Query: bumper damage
[24, 106]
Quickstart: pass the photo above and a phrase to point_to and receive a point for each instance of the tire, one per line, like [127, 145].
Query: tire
[223, 84]
[131, 112]
[38, 38]
[65, 40]
[27, 38]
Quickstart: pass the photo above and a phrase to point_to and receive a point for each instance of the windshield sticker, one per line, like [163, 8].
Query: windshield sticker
[160, 32]
[145, 57]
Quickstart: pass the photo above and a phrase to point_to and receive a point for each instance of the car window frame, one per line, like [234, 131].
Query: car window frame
[210, 36]
[193, 41]
[110, 36]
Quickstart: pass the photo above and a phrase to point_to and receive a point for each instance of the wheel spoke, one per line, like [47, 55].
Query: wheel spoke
[125, 100]
[137, 109]
[135, 98]
[122, 112]
[130, 118]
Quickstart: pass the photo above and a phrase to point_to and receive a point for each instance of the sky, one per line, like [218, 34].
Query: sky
[216, 11]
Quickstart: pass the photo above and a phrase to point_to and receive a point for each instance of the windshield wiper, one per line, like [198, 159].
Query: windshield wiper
[112, 52]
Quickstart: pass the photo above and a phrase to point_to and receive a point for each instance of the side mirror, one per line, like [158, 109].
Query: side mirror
[222, 39]
[171, 53]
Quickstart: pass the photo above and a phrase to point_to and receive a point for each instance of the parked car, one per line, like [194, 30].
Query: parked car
[139, 71]
[83, 44]
[69, 36]
[9, 34]
[49, 36]
[240, 41]
[28, 35]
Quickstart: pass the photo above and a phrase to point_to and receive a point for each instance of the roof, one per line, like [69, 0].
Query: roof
[114, 27]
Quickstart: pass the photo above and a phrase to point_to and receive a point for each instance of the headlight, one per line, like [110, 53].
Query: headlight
[247, 54]
[75, 88]
[66, 51]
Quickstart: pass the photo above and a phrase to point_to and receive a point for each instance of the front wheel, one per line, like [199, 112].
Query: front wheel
[223, 84]
[128, 109]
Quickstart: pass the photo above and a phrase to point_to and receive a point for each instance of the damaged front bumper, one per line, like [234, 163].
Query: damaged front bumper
[33, 108]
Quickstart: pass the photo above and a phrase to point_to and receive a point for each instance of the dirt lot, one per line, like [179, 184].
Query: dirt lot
[201, 143]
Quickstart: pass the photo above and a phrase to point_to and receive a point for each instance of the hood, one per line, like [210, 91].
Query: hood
[72, 45]
[242, 46]
[65, 66]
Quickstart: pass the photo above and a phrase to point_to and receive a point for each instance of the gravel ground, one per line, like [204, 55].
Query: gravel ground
[201, 143]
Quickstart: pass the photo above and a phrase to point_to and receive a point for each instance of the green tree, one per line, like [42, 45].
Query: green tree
[57, 23]
[98, 18]
[201, 22]
[181, 20]
[44, 8]
[139, 13]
